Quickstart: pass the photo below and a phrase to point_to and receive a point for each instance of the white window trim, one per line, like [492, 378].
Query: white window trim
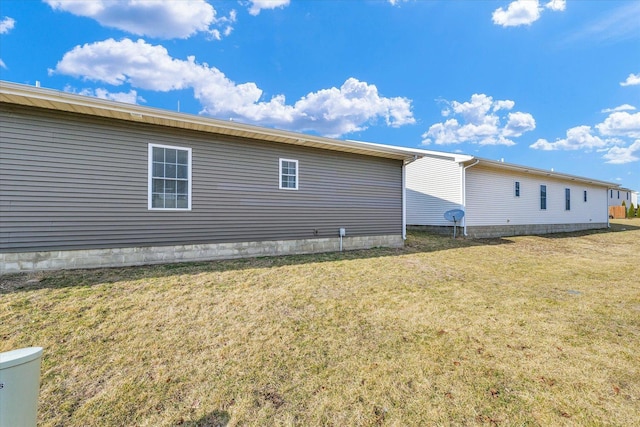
[150, 178]
[517, 187]
[280, 174]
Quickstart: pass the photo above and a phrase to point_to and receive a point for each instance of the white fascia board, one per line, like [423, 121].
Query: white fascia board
[542, 172]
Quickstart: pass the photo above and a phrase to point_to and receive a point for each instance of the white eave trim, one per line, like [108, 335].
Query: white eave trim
[541, 172]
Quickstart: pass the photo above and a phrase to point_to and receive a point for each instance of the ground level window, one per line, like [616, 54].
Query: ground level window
[543, 197]
[169, 177]
[517, 188]
[288, 174]
[567, 199]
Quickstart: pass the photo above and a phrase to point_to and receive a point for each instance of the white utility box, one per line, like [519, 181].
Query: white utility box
[19, 386]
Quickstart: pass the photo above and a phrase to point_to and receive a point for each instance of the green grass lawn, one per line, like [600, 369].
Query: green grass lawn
[535, 330]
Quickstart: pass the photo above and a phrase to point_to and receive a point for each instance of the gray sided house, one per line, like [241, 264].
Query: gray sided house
[501, 199]
[86, 182]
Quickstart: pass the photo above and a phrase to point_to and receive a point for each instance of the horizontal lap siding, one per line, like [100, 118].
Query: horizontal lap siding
[616, 197]
[72, 182]
[491, 200]
[433, 187]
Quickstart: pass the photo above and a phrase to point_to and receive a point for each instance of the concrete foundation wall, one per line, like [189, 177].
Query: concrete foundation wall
[488, 231]
[436, 229]
[530, 229]
[119, 257]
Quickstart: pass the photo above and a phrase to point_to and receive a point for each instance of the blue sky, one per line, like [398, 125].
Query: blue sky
[548, 84]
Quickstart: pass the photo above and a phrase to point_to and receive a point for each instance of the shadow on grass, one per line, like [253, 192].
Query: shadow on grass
[417, 242]
[212, 419]
[615, 226]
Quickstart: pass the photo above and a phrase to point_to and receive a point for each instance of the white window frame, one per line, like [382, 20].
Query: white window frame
[297, 175]
[150, 178]
[516, 189]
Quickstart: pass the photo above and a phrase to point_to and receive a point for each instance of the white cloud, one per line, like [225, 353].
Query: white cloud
[503, 105]
[524, 12]
[130, 97]
[613, 131]
[621, 23]
[578, 138]
[396, 2]
[154, 18]
[479, 123]
[622, 155]
[519, 12]
[518, 124]
[7, 24]
[331, 112]
[632, 80]
[621, 123]
[556, 5]
[623, 107]
[258, 5]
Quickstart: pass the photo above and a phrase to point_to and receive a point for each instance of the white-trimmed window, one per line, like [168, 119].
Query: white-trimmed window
[517, 188]
[288, 174]
[169, 177]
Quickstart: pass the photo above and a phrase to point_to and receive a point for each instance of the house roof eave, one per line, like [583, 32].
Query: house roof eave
[19, 94]
[539, 172]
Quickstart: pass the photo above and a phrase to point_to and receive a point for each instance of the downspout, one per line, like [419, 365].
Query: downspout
[464, 194]
[606, 199]
[404, 195]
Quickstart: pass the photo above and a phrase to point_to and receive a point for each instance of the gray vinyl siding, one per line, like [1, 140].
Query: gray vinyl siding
[75, 182]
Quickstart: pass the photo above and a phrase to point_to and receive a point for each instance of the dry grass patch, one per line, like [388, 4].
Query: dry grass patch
[527, 330]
